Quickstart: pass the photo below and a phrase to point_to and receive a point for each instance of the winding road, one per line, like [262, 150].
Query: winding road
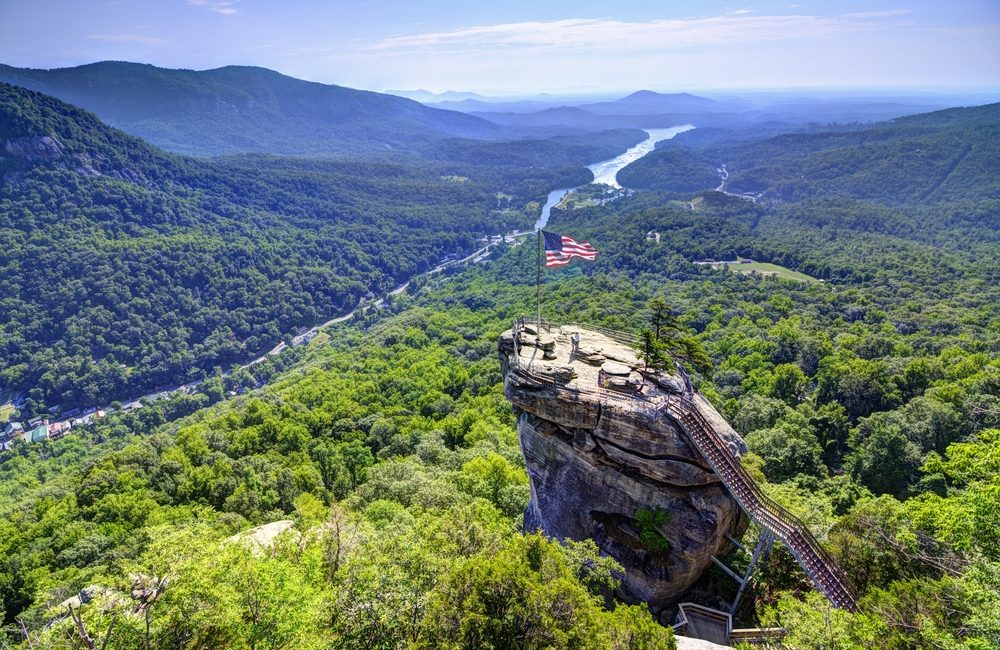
[604, 172]
[474, 257]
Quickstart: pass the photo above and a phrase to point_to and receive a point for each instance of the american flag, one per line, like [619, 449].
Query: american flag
[560, 250]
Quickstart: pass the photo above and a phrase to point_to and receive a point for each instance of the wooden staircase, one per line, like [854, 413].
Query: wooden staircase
[817, 563]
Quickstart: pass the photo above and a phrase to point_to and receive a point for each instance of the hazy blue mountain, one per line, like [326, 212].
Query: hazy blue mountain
[647, 102]
[648, 109]
[428, 97]
[239, 109]
[500, 106]
[550, 117]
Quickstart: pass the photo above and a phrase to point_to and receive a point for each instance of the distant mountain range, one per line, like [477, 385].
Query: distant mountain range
[640, 102]
[533, 102]
[649, 109]
[427, 97]
[647, 102]
[240, 109]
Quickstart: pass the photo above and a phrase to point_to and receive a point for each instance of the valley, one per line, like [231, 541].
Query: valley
[61, 423]
[774, 396]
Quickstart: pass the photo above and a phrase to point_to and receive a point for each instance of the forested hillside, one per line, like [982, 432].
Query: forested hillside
[871, 407]
[242, 109]
[127, 268]
[942, 156]
[382, 459]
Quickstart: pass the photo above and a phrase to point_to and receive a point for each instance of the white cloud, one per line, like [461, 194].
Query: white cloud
[224, 7]
[129, 38]
[606, 34]
[888, 13]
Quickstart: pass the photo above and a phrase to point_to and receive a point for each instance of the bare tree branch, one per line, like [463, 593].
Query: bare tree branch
[107, 634]
[25, 633]
[82, 630]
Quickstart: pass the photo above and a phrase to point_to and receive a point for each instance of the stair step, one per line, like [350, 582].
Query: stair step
[825, 576]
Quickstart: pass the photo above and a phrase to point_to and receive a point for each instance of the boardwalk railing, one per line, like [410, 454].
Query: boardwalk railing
[821, 568]
[824, 572]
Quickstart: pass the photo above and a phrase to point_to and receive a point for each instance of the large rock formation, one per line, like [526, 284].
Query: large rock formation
[600, 450]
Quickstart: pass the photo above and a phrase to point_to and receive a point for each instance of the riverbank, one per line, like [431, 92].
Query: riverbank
[604, 174]
[606, 171]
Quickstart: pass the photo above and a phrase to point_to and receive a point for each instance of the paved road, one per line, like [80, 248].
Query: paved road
[477, 256]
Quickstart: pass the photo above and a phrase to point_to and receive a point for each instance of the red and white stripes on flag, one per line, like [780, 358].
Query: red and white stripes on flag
[560, 250]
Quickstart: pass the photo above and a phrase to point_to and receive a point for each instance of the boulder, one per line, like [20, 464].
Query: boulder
[263, 537]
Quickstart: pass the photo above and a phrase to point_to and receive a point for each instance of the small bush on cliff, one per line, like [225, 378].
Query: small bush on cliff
[650, 522]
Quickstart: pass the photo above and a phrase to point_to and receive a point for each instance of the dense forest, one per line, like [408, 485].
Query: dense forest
[371, 494]
[127, 268]
[943, 156]
[871, 406]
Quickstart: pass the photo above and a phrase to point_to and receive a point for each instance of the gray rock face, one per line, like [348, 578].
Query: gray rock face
[599, 451]
[34, 148]
[48, 150]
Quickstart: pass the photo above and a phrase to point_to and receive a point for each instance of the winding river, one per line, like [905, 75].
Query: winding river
[606, 171]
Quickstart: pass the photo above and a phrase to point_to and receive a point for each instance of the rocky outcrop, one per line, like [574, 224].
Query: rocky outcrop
[600, 450]
[41, 148]
[264, 536]
[28, 151]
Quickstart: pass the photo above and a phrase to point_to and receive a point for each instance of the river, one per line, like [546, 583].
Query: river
[606, 171]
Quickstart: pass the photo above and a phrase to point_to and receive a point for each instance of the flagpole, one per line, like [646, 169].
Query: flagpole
[538, 285]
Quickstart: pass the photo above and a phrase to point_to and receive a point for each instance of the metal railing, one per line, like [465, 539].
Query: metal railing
[757, 635]
[792, 531]
[623, 338]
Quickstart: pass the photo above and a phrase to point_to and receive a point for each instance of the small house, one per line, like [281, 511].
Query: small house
[303, 339]
[39, 433]
[12, 429]
[59, 429]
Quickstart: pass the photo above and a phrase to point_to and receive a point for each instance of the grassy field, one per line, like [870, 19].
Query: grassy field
[571, 202]
[765, 268]
[6, 410]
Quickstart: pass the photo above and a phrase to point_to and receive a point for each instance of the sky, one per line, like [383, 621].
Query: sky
[521, 47]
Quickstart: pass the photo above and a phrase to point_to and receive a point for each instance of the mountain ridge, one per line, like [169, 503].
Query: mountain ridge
[246, 109]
